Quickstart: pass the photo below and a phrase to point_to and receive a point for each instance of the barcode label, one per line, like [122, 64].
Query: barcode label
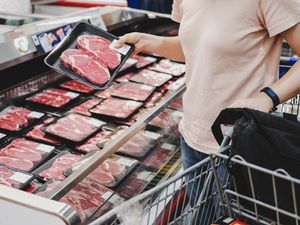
[168, 147]
[107, 195]
[152, 135]
[71, 94]
[95, 122]
[36, 115]
[126, 162]
[123, 50]
[2, 135]
[20, 177]
[144, 175]
[45, 148]
[146, 87]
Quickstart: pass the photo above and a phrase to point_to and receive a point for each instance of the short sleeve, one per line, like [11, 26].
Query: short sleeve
[278, 16]
[176, 12]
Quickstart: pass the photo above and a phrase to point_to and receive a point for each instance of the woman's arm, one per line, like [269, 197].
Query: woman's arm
[168, 47]
[287, 87]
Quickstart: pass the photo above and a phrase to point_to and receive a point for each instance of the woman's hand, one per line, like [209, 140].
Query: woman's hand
[261, 102]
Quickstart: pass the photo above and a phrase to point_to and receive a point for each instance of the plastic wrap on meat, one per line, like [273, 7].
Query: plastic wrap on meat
[22, 152]
[85, 65]
[118, 108]
[130, 62]
[47, 187]
[87, 197]
[91, 144]
[106, 93]
[157, 158]
[100, 48]
[167, 66]
[74, 127]
[53, 97]
[84, 108]
[124, 78]
[167, 119]
[150, 77]
[133, 91]
[105, 141]
[17, 118]
[77, 86]
[12, 178]
[59, 165]
[143, 61]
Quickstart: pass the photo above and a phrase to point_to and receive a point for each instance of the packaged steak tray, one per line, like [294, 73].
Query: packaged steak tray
[133, 91]
[73, 127]
[143, 61]
[87, 197]
[177, 105]
[84, 107]
[140, 144]
[153, 99]
[47, 187]
[88, 55]
[159, 157]
[125, 77]
[24, 154]
[167, 119]
[54, 168]
[15, 119]
[109, 138]
[91, 144]
[37, 134]
[136, 183]
[107, 92]
[14, 178]
[77, 86]
[130, 62]
[150, 77]
[53, 98]
[110, 173]
[169, 67]
[117, 108]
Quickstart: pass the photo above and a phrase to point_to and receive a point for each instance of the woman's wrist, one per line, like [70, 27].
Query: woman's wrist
[267, 100]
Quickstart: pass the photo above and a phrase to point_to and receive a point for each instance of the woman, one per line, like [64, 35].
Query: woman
[232, 50]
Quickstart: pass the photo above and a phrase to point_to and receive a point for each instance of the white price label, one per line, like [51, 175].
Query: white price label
[71, 94]
[45, 148]
[168, 147]
[152, 135]
[123, 50]
[95, 122]
[126, 162]
[132, 103]
[2, 135]
[178, 114]
[107, 195]
[20, 177]
[116, 199]
[144, 175]
[148, 58]
[146, 88]
[131, 61]
[36, 115]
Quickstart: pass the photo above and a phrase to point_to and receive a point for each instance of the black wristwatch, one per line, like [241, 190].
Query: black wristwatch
[275, 99]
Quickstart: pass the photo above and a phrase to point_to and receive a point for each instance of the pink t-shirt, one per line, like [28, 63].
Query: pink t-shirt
[232, 50]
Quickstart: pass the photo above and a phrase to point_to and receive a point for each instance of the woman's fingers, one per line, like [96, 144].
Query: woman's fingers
[131, 38]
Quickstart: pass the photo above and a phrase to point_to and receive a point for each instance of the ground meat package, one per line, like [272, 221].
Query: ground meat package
[85, 106]
[15, 119]
[14, 178]
[47, 187]
[159, 157]
[169, 67]
[150, 77]
[107, 92]
[73, 127]
[133, 91]
[167, 119]
[55, 167]
[37, 134]
[24, 154]
[53, 98]
[88, 55]
[87, 197]
[91, 144]
[143, 61]
[135, 183]
[140, 144]
[117, 108]
[75, 85]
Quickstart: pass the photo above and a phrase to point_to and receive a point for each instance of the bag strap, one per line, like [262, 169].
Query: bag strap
[227, 116]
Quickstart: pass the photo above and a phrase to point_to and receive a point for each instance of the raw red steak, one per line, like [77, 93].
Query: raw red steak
[112, 166]
[85, 65]
[167, 66]
[47, 188]
[133, 91]
[106, 93]
[75, 85]
[13, 178]
[59, 165]
[150, 77]
[53, 97]
[91, 144]
[115, 107]
[17, 118]
[86, 106]
[167, 119]
[102, 177]
[99, 47]
[87, 197]
[22, 164]
[158, 158]
[143, 61]
[74, 127]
